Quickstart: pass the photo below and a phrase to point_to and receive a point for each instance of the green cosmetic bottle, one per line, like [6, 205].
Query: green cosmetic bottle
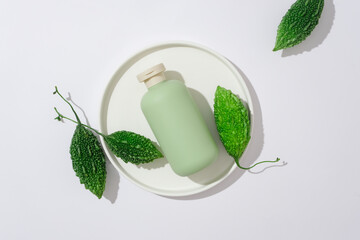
[177, 123]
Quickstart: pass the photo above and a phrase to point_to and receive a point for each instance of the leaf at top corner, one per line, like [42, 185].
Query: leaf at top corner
[232, 122]
[298, 23]
[132, 147]
[88, 160]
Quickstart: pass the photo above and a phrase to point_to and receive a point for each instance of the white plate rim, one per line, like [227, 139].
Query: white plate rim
[103, 109]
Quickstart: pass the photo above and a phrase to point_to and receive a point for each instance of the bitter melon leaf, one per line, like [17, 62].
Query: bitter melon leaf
[232, 122]
[88, 160]
[298, 23]
[132, 147]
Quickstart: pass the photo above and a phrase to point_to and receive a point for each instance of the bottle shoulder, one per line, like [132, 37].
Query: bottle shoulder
[164, 89]
[166, 85]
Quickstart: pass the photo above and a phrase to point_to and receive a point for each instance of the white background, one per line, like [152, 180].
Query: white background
[307, 100]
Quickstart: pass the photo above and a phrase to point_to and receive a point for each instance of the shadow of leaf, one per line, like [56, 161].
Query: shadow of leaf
[157, 163]
[112, 183]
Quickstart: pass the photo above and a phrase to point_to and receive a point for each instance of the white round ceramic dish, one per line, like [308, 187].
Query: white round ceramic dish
[202, 70]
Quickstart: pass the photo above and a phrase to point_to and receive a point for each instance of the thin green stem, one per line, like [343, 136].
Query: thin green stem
[62, 116]
[77, 117]
[238, 164]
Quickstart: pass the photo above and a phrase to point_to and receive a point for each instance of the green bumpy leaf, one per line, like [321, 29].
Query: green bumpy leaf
[88, 160]
[232, 122]
[298, 23]
[132, 147]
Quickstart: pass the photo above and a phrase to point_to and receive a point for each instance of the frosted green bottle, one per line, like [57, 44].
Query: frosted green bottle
[177, 123]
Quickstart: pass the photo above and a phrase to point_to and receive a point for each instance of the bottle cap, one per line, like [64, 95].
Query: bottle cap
[152, 75]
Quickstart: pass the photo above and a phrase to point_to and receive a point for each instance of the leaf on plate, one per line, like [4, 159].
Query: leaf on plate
[232, 122]
[132, 147]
